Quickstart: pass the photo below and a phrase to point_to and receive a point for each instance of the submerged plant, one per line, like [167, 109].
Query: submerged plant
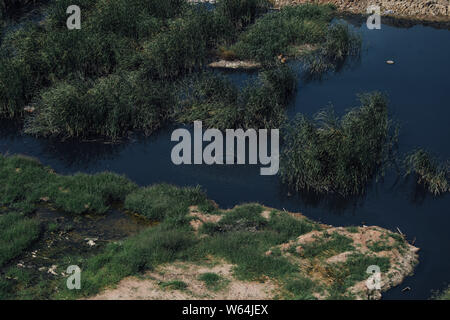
[428, 171]
[332, 155]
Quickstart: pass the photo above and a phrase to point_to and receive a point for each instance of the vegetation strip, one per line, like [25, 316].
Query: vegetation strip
[255, 239]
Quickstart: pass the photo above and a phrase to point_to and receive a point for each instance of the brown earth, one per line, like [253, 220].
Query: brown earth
[432, 10]
[150, 287]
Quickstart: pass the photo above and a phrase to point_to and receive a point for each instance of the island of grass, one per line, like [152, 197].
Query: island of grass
[124, 69]
[191, 248]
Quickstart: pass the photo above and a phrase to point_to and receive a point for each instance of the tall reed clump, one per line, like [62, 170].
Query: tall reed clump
[340, 43]
[219, 104]
[332, 155]
[109, 107]
[242, 13]
[282, 32]
[428, 171]
[186, 44]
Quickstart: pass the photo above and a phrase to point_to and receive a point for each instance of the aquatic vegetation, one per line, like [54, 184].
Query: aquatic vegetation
[109, 107]
[186, 45]
[138, 52]
[280, 32]
[219, 104]
[25, 183]
[17, 234]
[242, 13]
[332, 155]
[341, 42]
[428, 171]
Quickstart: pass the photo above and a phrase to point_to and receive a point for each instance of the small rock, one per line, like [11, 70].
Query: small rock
[91, 241]
[52, 269]
[390, 62]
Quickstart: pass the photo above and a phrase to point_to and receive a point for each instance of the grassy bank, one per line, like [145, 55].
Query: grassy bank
[122, 70]
[26, 183]
[261, 243]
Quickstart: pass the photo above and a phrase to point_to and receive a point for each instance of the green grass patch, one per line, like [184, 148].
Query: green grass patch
[353, 270]
[25, 183]
[213, 281]
[17, 234]
[301, 288]
[174, 285]
[327, 246]
[164, 201]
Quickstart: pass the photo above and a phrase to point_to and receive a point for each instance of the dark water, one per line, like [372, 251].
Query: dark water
[418, 85]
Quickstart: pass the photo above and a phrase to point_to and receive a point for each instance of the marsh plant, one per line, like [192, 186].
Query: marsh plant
[328, 154]
[118, 73]
[109, 106]
[428, 171]
[220, 104]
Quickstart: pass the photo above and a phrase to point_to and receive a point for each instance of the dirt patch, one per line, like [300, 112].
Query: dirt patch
[421, 9]
[237, 64]
[150, 287]
[201, 218]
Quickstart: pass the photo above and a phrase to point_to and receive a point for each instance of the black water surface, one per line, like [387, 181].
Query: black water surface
[418, 85]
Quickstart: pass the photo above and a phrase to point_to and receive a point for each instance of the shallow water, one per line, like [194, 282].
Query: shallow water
[419, 90]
